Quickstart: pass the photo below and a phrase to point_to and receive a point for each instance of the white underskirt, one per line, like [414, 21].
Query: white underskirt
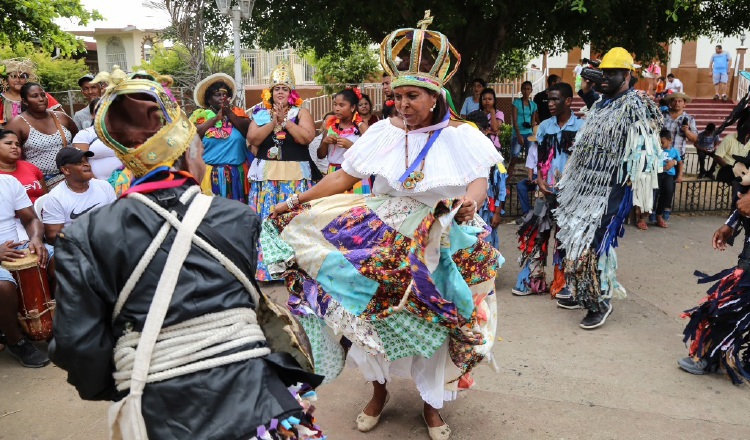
[429, 374]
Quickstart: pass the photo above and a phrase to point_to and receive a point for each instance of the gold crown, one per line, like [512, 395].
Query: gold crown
[161, 148]
[283, 73]
[428, 53]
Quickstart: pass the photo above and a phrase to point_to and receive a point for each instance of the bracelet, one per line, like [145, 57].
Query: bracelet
[292, 201]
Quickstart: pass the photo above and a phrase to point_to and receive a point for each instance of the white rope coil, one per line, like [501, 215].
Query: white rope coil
[184, 348]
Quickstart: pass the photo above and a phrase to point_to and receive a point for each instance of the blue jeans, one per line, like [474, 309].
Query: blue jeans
[524, 187]
[515, 147]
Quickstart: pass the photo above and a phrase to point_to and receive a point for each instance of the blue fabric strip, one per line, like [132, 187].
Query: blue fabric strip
[425, 150]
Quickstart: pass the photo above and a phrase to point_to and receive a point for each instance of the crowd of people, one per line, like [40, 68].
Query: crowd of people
[382, 225]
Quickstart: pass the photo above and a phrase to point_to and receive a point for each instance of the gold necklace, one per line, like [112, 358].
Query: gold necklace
[415, 176]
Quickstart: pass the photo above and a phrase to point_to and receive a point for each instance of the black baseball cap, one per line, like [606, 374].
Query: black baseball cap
[85, 78]
[69, 155]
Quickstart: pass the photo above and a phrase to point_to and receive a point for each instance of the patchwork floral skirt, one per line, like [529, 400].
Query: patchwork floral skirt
[399, 282]
[264, 195]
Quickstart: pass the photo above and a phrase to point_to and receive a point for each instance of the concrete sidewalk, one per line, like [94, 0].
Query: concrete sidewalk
[557, 381]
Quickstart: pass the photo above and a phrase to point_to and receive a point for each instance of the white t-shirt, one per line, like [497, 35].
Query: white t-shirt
[13, 197]
[675, 85]
[531, 157]
[577, 70]
[104, 161]
[62, 206]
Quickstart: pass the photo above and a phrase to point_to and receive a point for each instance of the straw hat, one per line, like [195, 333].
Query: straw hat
[199, 94]
[680, 95]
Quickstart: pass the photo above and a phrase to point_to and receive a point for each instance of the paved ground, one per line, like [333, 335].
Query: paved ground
[557, 381]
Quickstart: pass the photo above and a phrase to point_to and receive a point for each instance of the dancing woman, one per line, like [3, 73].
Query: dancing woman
[402, 274]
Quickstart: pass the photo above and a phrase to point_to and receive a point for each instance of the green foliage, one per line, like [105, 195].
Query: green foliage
[352, 67]
[175, 61]
[55, 75]
[482, 31]
[512, 64]
[506, 131]
[34, 21]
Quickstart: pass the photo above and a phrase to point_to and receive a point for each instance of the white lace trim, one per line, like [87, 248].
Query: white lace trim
[459, 156]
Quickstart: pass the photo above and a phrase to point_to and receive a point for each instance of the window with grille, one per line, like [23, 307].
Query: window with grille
[116, 54]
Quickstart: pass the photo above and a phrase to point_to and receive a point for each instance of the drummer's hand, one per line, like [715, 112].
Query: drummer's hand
[279, 209]
[38, 248]
[8, 251]
[467, 210]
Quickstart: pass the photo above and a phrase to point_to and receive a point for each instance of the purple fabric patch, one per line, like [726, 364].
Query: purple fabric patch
[424, 288]
[355, 233]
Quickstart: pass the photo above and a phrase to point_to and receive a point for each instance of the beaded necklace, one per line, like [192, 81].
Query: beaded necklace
[415, 176]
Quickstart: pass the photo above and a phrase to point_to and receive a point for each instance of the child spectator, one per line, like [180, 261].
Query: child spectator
[663, 107]
[672, 173]
[706, 146]
[527, 185]
[661, 86]
[494, 207]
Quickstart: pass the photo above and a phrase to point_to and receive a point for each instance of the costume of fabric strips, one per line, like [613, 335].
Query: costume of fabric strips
[613, 167]
[395, 277]
[719, 328]
[534, 233]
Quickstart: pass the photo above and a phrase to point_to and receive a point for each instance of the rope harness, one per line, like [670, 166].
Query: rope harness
[157, 353]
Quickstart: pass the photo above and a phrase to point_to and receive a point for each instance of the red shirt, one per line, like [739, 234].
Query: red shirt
[30, 177]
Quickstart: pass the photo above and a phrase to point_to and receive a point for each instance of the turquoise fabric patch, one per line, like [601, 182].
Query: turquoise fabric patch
[451, 284]
[462, 237]
[404, 334]
[345, 284]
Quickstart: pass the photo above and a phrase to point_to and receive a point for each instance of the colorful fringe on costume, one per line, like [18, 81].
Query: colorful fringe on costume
[533, 242]
[121, 179]
[228, 181]
[392, 275]
[361, 187]
[293, 428]
[719, 328]
[613, 167]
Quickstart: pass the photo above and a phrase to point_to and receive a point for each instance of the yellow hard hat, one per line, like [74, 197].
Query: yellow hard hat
[617, 58]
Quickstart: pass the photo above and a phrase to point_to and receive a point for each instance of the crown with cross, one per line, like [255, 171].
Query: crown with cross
[432, 60]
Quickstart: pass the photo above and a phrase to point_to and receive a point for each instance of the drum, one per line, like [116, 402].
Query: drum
[35, 304]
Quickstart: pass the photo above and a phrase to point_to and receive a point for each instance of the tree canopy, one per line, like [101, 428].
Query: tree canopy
[33, 21]
[483, 30]
[56, 75]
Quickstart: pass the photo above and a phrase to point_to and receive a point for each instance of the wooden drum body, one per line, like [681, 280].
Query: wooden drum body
[35, 304]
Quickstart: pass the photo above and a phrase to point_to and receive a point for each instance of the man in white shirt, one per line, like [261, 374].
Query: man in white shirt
[673, 84]
[15, 203]
[78, 194]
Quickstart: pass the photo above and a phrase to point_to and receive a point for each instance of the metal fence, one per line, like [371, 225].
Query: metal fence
[261, 63]
[691, 195]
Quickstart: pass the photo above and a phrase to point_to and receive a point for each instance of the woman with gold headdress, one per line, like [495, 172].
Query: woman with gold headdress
[223, 127]
[282, 132]
[15, 73]
[403, 274]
